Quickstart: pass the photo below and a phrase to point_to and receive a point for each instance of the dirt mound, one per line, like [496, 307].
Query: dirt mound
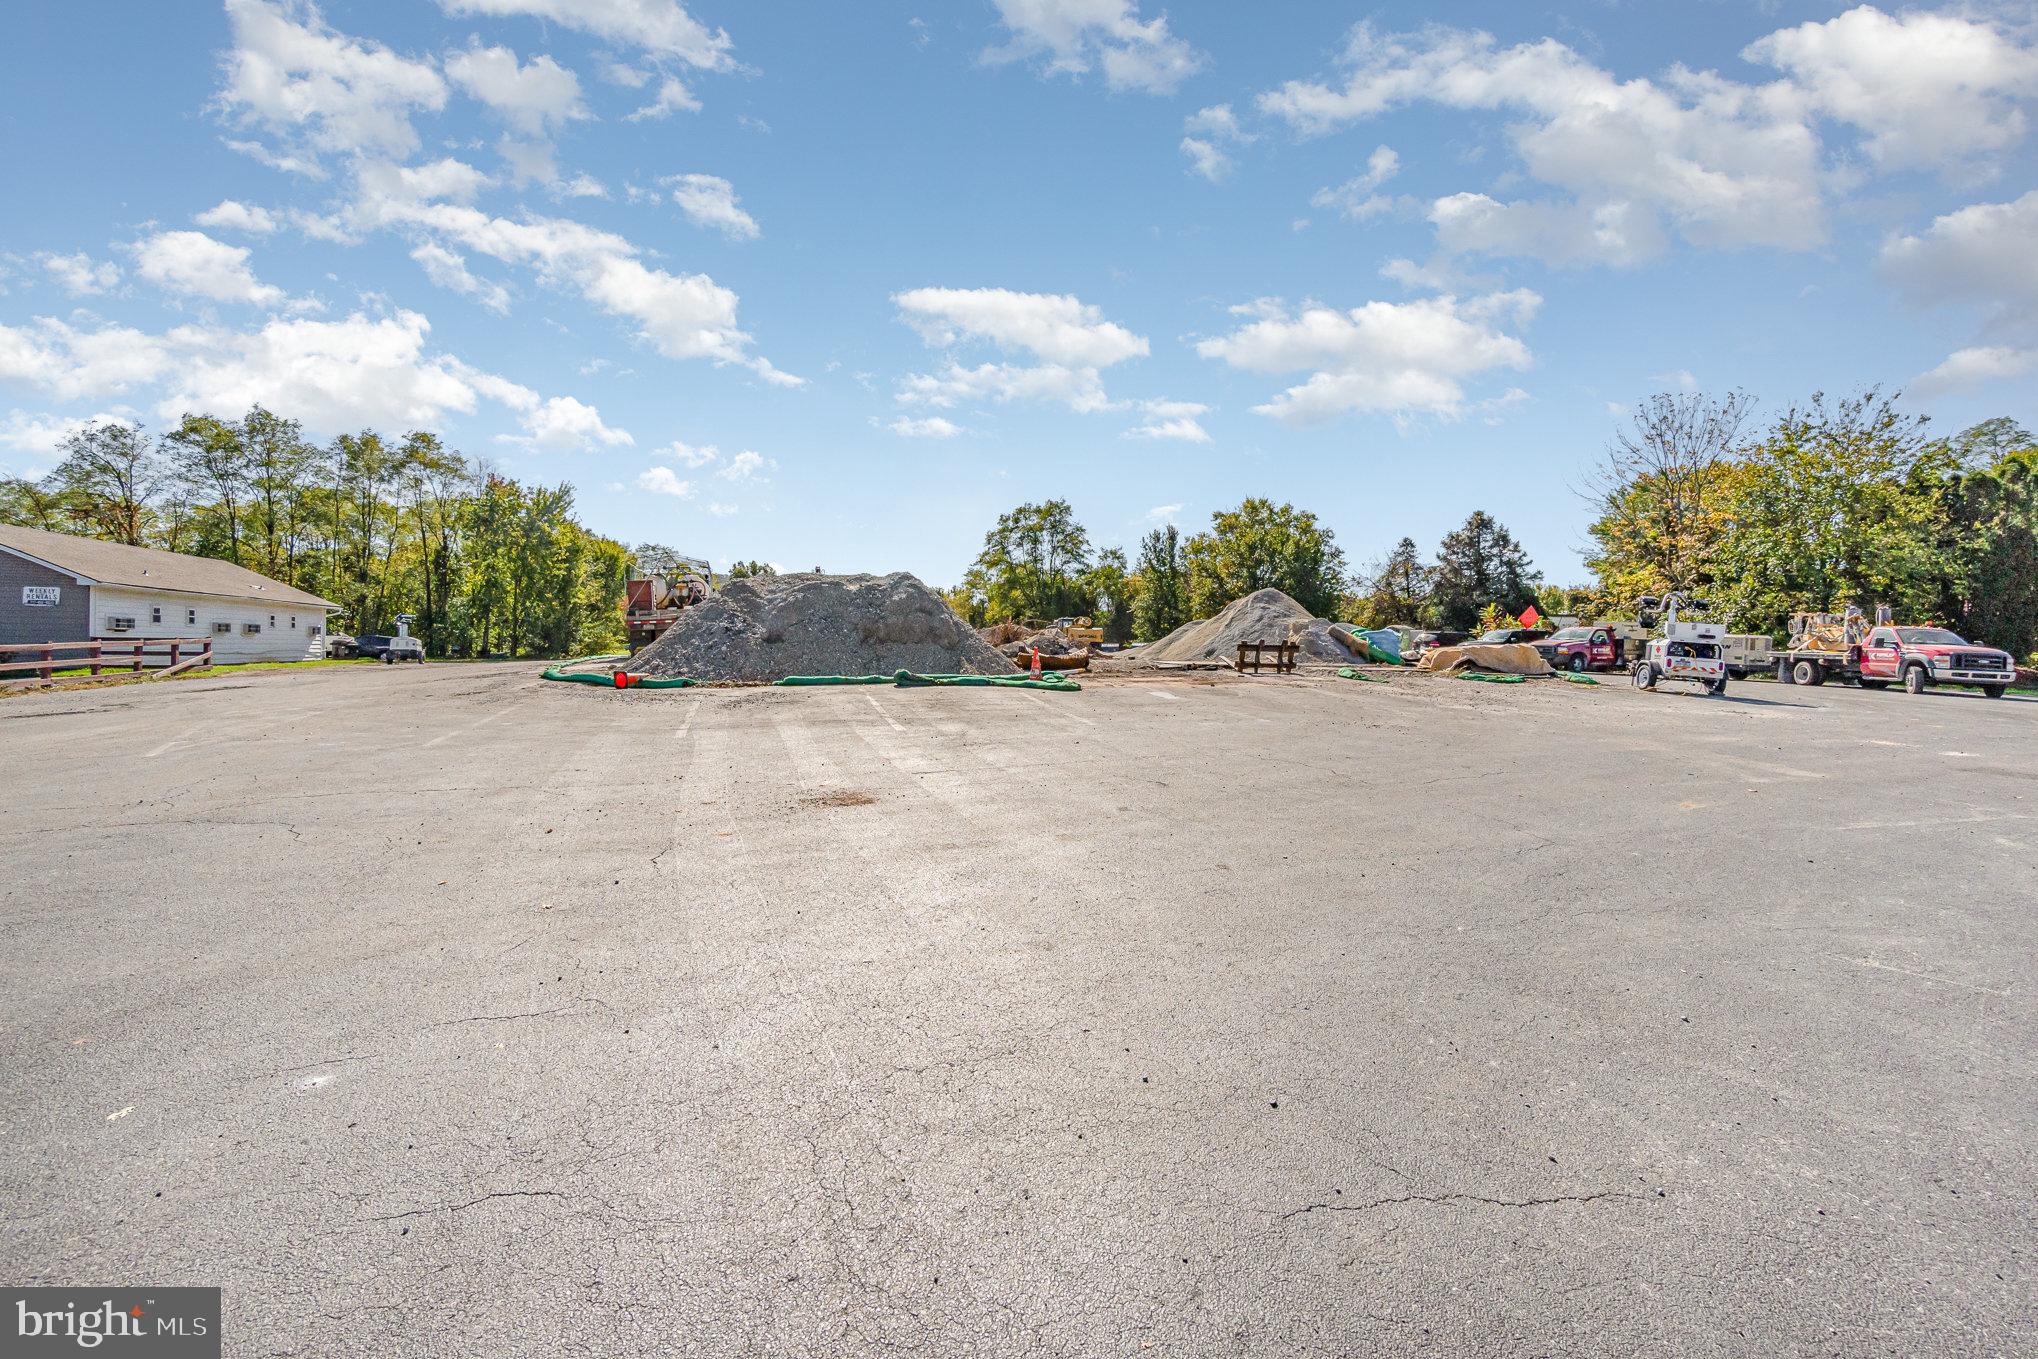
[1268, 616]
[1051, 641]
[998, 634]
[768, 627]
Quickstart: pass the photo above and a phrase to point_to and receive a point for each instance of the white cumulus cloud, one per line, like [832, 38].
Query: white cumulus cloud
[79, 274]
[1929, 90]
[1074, 37]
[683, 316]
[231, 215]
[1171, 420]
[660, 28]
[710, 201]
[1394, 358]
[532, 97]
[450, 271]
[1984, 257]
[1056, 328]
[664, 481]
[747, 466]
[333, 375]
[672, 97]
[195, 265]
[933, 427]
[293, 75]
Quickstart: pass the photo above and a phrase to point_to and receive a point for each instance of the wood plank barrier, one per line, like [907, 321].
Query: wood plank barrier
[1282, 657]
[157, 656]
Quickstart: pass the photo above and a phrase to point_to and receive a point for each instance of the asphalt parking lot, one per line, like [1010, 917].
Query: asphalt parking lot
[445, 1011]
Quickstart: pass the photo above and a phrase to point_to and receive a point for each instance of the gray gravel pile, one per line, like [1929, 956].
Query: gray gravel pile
[765, 628]
[1269, 616]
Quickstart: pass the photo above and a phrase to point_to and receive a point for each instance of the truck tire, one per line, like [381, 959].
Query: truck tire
[1783, 675]
[1645, 675]
[1916, 681]
[389, 658]
[1580, 663]
[1808, 672]
[1993, 690]
[1718, 688]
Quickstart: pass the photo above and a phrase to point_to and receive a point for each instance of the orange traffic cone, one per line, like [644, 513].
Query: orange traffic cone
[1036, 662]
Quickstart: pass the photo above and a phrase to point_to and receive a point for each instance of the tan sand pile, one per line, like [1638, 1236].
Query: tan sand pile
[765, 628]
[1267, 616]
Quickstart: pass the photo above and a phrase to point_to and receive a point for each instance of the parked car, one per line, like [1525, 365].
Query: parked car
[1422, 641]
[1510, 636]
[1580, 649]
[389, 650]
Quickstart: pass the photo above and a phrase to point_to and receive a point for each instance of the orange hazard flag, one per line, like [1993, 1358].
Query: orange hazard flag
[1529, 617]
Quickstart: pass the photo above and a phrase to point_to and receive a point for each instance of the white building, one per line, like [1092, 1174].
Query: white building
[58, 588]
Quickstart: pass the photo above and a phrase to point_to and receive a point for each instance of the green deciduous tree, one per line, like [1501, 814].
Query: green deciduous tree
[1113, 592]
[1990, 545]
[1261, 545]
[111, 476]
[1663, 493]
[1839, 504]
[1032, 564]
[1163, 571]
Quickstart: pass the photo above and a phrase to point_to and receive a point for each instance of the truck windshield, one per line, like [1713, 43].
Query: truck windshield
[1571, 635]
[1930, 637]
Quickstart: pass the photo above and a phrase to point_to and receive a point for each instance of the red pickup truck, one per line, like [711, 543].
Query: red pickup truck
[1919, 658]
[1581, 649]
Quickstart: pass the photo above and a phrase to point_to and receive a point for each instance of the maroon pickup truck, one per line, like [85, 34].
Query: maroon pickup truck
[1581, 649]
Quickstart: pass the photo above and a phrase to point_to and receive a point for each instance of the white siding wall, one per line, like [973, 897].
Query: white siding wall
[298, 633]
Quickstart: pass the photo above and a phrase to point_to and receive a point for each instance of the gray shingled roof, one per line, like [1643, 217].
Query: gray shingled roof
[147, 569]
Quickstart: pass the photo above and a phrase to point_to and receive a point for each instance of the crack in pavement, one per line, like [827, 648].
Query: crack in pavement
[1458, 1198]
[462, 1207]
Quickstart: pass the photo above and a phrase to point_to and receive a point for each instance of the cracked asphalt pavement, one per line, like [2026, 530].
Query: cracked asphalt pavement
[443, 1011]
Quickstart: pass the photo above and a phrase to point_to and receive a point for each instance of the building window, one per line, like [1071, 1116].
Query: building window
[156, 614]
[293, 622]
[250, 629]
[272, 620]
[223, 628]
[117, 624]
[191, 616]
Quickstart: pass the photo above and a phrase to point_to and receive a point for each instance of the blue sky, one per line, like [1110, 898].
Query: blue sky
[832, 284]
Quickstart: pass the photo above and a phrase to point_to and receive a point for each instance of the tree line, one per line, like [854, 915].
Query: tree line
[381, 527]
[1832, 503]
[1038, 563]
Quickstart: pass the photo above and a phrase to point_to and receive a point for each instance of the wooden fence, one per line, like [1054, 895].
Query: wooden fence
[157, 656]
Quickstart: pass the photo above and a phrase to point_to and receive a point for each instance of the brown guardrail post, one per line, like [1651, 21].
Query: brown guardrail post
[95, 660]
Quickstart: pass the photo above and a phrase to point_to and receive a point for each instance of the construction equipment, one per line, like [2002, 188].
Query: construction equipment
[1079, 632]
[651, 603]
[1688, 651]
